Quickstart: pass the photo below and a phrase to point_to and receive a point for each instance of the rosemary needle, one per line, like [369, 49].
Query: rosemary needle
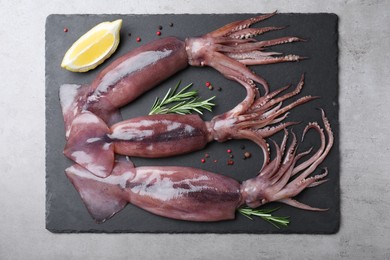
[183, 102]
[265, 214]
[186, 102]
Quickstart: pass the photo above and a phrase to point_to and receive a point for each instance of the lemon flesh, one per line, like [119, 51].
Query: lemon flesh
[93, 48]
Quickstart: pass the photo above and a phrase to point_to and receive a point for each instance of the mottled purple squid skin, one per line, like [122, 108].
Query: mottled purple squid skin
[103, 197]
[136, 72]
[185, 193]
[157, 136]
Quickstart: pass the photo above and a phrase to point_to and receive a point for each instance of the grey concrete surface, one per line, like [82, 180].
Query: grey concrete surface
[365, 151]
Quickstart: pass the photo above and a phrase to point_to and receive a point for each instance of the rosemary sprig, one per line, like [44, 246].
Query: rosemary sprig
[185, 102]
[265, 214]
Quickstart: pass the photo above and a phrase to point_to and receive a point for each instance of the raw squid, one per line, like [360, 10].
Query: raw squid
[196, 195]
[228, 49]
[94, 133]
[92, 143]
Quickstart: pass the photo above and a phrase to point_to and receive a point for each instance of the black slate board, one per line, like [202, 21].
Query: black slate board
[65, 211]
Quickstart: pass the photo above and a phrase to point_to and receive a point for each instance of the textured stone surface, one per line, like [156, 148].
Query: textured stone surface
[364, 95]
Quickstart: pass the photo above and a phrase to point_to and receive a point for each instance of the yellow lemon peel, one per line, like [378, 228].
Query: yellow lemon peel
[93, 48]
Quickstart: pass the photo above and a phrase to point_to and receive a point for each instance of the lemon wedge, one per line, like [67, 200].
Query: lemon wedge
[94, 47]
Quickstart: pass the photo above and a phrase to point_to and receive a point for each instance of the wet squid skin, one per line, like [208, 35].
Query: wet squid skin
[92, 143]
[136, 72]
[124, 80]
[184, 193]
[159, 135]
[197, 195]
[106, 186]
[175, 192]
[228, 50]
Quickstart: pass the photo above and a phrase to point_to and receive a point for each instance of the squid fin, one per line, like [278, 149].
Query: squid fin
[89, 146]
[72, 99]
[102, 197]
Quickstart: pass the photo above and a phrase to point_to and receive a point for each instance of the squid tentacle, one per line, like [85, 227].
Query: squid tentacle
[308, 162]
[233, 69]
[107, 184]
[254, 54]
[252, 32]
[277, 188]
[282, 40]
[229, 50]
[258, 121]
[319, 182]
[269, 100]
[318, 158]
[271, 60]
[125, 78]
[193, 194]
[239, 25]
[271, 130]
[92, 142]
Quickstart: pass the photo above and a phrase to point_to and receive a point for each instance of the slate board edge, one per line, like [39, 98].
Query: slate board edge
[121, 231]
